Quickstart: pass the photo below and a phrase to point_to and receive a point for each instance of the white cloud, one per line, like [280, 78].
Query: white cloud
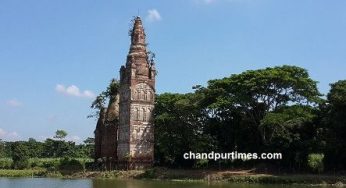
[153, 15]
[76, 139]
[13, 103]
[2, 132]
[9, 136]
[73, 90]
[89, 94]
[60, 88]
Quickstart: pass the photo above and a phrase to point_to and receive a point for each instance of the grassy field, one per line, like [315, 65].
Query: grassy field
[23, 173]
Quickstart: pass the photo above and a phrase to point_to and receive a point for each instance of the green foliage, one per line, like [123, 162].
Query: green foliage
[68, 165]
[109, 94]
[113, 88]
[20, 155]
[287, 127]
[5, 149]
[265, 110]
[149, 174]
[61, 148]
[179, 128]
[88, 147]
[333, 122]
[315, 162]
[2, 149]
[23, 173]
[58, 148]
[263, 90]
[237, 105]
[47, 154]
[337, 94]
[203, 163]
[51, 164]
[6, 163]
[60, 134]
[35, 147]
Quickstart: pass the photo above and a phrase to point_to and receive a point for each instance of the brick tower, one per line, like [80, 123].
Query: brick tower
[135, 147]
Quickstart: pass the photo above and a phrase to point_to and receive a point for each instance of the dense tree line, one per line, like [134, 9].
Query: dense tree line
[21, 151]
[275, 109]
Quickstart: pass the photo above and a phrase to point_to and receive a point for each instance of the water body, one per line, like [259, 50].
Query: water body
[90, 183]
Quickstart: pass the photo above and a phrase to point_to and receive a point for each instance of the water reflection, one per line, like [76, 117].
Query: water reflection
[145, 184]
[98, 183]
[43, 182]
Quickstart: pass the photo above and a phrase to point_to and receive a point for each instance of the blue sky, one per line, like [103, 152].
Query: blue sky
[56, 55]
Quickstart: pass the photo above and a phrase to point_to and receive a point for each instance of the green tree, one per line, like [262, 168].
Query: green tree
[2, 149]
[258, 110]
[35, 147]
[89, 145]
[179, 128]
[260, 91]
[334, 123]
[20, 155]
[60, 134]
[109, 94]
[60, 148]
[337, 94]
[237, 104]
[291, 130]
[315, 162]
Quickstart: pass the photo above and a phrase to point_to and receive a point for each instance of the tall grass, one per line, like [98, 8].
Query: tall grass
[23, 173]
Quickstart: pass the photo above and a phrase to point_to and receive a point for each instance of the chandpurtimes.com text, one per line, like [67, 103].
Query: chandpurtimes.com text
[232, 156]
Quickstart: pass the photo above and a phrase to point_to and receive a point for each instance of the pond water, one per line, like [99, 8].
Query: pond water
[91, 183]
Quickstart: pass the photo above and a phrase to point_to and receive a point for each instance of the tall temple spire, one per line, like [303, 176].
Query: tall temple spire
[137, 97]
[138, 35]
[125, 131]
[138, 45]
[138, 58]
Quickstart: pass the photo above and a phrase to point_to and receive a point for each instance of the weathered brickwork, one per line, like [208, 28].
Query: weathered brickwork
[134, 144]
[106, 131]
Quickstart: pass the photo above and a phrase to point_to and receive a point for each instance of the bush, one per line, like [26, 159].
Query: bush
[21, 164]
[68, 166]
[202, 163]
[20, 155]
[149, 173]
[35, 162]
[315, 162]
[5, 163]
[90, 165]
[51, 164]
